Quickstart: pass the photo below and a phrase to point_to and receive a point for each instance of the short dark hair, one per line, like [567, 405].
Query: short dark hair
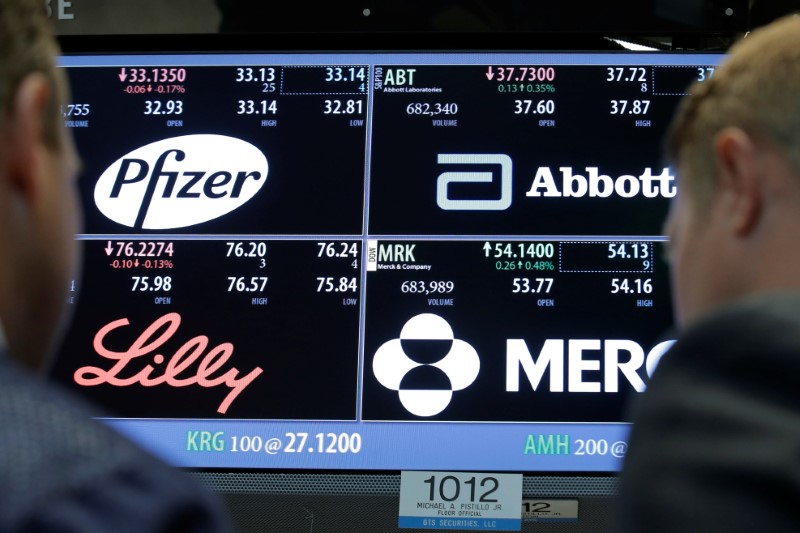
[755, 89]
[28, 45]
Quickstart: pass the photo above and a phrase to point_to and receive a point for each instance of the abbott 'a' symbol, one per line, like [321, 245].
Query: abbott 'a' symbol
[426, 364]
[443, 199]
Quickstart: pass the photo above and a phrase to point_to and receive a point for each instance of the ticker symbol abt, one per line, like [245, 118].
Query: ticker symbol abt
[399, 76]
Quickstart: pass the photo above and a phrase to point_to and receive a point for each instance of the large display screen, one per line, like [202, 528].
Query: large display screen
[372, 261]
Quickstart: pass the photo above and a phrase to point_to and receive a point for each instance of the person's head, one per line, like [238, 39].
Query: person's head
[735, 143]
[38, 201]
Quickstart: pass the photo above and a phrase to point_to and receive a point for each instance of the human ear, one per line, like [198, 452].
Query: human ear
[738, 183]
[27, 146]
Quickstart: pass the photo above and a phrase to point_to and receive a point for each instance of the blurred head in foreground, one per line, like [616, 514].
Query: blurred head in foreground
[38, 201]
[735, 144]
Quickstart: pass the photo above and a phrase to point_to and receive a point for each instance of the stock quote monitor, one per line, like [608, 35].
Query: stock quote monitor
[357, 262]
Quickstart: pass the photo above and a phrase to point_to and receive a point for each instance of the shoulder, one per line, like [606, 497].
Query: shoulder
[748, 333]
[746, 351]
[743, 355]
[62, 470]
[719, 424]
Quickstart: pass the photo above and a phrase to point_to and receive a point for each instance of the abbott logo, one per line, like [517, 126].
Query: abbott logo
[447, 178]
[181, 181]
[426, 364]
[592, 183]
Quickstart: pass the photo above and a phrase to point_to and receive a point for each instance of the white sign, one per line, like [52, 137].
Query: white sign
[460, 500]
[541, 510]
[181, 181]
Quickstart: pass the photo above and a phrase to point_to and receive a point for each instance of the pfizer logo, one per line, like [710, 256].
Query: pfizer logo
[181, 181]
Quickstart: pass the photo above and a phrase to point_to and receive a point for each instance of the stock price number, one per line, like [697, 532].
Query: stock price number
[155, 75]
[332, 249]
[255, 250]
[257, 107]
[631, 286]
[264, 76]
[338, 250]
[167, 107]
[623, 250]
[344, 107]
[632, 250]
[532, 286]
[151, 284]
[139, 249]
[629, 107]
[336, 74]
[247, 284]
[704, 73]
[629, 74]
[323, 443]
[427, 287]
[246, 249]
[636, 74]
[510, 250]
[343, 284]
[523, 74]
[256, 75]
[533, 107]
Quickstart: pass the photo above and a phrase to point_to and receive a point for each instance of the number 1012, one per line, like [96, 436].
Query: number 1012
[449, 488]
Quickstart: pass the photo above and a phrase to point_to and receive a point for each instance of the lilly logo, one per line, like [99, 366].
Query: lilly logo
[181, 181]
[426, 364]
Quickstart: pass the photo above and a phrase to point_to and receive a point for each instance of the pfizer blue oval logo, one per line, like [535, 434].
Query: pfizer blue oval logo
[181, 181]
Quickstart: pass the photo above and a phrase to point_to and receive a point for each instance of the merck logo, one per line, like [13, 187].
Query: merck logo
[182, 181]
[426, 365]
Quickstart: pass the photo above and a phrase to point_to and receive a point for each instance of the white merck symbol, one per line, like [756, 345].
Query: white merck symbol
[426, 364]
